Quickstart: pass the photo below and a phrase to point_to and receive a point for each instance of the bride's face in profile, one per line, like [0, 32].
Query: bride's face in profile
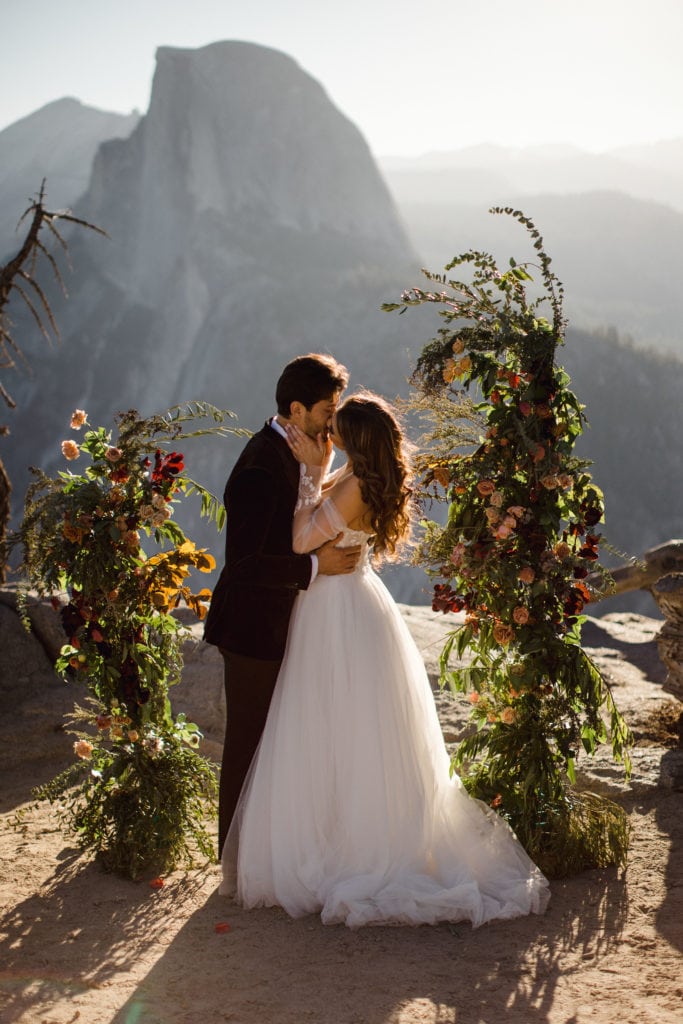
[335, 436]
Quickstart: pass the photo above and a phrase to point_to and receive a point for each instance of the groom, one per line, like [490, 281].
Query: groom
[250, 609]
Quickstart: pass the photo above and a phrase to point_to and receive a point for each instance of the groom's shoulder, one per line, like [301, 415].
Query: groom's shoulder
[260, 452]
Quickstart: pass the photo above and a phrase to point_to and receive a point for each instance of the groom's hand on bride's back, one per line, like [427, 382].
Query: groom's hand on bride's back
[334, 561]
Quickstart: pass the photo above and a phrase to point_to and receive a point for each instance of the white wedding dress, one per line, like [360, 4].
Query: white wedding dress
[349, 808]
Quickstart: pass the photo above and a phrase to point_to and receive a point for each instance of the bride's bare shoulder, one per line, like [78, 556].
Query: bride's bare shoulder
[347, 498]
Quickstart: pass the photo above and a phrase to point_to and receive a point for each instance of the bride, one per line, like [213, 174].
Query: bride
[349, 808]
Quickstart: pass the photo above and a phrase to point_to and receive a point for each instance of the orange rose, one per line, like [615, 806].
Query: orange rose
[458, 346]
[526, 575]
[442, 476]
[520, 615]
[550, 482]
[562, 550]
[502, 633]
[508, 716]
[448, 372]
[83, 749]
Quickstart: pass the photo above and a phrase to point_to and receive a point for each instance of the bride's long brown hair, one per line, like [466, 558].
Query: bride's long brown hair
[380, 458]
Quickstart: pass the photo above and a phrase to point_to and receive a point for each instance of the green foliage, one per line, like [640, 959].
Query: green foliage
[515, 552]
[139, 793]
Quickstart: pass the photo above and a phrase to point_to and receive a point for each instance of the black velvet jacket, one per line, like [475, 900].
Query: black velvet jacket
[253, 599]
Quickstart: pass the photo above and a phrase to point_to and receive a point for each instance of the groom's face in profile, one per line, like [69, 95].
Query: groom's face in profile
[317, 419]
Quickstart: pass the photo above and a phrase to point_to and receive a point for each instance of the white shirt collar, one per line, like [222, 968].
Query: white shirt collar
[277, 428]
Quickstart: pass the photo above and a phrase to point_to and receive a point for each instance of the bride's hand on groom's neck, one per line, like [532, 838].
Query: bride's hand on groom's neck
[314, 452]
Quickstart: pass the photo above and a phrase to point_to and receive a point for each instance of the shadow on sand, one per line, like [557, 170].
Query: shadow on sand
[268, 968]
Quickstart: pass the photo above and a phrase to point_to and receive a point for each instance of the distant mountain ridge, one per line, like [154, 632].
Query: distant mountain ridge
[57, 142]
[648, 172]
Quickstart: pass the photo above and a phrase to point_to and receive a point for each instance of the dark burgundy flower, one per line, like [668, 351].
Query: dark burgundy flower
[445, 599]
[589, 551]
[166, 467]
[71, 618]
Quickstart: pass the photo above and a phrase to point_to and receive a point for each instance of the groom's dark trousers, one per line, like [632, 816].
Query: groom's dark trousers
[249, 685]
[252, 602]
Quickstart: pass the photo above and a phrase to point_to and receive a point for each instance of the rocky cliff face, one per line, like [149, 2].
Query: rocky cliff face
[248, 223]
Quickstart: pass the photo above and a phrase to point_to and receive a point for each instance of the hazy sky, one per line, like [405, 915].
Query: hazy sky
[414, 76]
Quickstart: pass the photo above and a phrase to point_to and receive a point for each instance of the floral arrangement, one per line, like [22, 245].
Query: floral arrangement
[139, 792]
[517, 554]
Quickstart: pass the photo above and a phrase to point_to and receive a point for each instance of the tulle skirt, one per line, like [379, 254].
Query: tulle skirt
[349, 809]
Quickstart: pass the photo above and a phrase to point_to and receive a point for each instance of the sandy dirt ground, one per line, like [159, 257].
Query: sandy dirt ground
[80, 945]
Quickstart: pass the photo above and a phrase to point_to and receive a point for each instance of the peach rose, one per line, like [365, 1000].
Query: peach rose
[502, 532]
[492, 515]
[473, 697]
[520, 615]
[448, 371]
[486, 487]
[83, 749]
[496, 499]
[158, 501]
[131, 539]
[502, 633]
[562, 550]
[160, 516]
[458, 346]
[550, 482]
[70, 450]
[526, 575]
[565, 481]
[133, 735]
[78, 418]
[112, 454]
[517, 511]
[458, 554]
[508, 716]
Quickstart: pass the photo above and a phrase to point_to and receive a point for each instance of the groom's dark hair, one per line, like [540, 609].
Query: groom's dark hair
[309, 379]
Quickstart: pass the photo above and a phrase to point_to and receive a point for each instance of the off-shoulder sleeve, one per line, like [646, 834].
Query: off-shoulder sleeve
[315, 521]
